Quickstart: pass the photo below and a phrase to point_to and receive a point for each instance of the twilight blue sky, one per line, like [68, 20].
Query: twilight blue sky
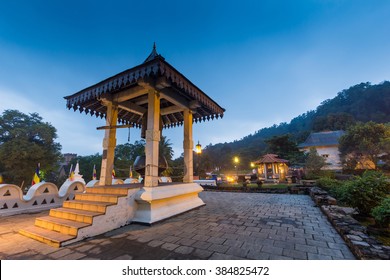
[264, 61]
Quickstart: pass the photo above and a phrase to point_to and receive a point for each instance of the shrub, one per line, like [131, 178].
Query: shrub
[366, 192]
[341, 193]
[328, 183]
[313, 164]
[381, 213]
[336, 188]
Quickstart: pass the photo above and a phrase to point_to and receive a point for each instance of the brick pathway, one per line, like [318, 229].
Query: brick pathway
[230, 226]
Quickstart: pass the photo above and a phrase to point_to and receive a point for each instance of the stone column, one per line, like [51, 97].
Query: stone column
[109, 144]
[265, 171]
[152, 139]
[188, 146]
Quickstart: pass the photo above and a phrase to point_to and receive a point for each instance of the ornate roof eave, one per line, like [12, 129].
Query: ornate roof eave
[150, 69]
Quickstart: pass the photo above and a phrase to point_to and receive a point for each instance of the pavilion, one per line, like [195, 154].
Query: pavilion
[152, 96]
[271, 167]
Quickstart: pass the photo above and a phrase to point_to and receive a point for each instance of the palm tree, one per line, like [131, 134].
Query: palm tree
[165, 150]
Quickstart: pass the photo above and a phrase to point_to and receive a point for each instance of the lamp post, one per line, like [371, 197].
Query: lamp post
[236, 161]
[198, 151]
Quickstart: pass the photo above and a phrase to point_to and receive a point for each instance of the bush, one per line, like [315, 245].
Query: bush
[365, 192]
[381, 213]
[327, 183]
[341, 193]
[336, 188]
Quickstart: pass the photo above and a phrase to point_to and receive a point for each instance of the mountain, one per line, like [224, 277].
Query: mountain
[360, 103]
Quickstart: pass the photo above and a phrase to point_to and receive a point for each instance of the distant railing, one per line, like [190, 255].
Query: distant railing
[211, 183]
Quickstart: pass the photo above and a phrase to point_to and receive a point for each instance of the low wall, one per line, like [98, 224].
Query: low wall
[41, 196]
[354, 234]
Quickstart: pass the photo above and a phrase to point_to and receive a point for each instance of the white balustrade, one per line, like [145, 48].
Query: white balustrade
[39, 197]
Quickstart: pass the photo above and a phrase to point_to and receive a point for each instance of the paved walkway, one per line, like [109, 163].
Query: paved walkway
[230, 226]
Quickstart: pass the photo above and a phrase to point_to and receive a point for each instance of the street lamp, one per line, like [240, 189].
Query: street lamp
[236, 161]
[198, 151]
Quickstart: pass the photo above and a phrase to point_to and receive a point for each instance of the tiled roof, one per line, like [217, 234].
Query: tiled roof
[154, 72]
[270, 158]
[326, 138]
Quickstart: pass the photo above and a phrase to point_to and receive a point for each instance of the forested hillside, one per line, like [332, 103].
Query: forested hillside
[360, 103]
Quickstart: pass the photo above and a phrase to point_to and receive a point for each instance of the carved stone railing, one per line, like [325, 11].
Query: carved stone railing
[41, 196]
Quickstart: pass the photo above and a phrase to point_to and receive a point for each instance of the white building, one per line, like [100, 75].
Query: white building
[327, 145]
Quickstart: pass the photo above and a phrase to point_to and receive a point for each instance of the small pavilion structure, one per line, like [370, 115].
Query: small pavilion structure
[152, 96]
[271, 167]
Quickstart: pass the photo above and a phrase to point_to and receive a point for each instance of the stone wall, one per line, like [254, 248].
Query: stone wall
[354, 234]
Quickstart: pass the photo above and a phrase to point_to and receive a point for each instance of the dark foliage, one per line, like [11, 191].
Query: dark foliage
[360, 103]
[25, 141]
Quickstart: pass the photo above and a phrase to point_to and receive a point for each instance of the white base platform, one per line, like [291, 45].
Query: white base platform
[159, 203]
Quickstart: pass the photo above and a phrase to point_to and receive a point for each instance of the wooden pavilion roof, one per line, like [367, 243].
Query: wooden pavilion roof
[270, 158]
[129, 90]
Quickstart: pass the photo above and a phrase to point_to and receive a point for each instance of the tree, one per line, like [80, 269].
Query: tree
[364, 144]
[166, 151]
[129, 151]
[25, 141]
[333, 121]
[165, 148]
[314, 163]
[177, 168]
[285, 148]
[125, 155]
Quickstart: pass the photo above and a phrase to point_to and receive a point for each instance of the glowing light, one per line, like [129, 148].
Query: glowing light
[229, 179]
[198, 148]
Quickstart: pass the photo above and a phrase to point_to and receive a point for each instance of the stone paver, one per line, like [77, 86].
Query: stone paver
[230, 226]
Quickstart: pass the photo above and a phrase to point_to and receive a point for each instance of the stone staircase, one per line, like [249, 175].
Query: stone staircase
[98, 210]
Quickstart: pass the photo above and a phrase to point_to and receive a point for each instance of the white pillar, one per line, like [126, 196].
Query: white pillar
[188, 145]
[109, 143]
[152, 139]
[273, 170]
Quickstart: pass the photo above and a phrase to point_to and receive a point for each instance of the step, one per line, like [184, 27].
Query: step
[74, 214]
[64, 226]
[87, 205]
[49, 237]
[113, 198]
[108, 190]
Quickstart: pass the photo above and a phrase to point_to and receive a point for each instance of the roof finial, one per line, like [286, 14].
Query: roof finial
[153, 54]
